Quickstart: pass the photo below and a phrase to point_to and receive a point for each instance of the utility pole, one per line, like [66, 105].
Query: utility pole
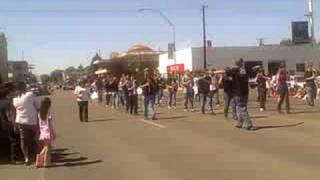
[310, 15]
[204, 37]
[261, 41]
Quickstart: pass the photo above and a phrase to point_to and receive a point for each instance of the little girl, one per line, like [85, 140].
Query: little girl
[47, 134]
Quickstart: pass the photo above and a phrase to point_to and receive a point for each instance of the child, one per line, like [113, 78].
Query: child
[47, 134]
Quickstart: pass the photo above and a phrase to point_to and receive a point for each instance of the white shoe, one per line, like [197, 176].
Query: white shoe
[261, 109]
[169, 107]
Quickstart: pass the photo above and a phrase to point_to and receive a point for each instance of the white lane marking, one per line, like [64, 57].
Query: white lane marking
[152, 123]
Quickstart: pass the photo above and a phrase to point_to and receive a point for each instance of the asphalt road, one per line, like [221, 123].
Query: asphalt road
[179, 146]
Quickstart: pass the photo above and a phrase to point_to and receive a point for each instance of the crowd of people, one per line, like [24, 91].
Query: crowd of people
[26, 120]
[198, 88]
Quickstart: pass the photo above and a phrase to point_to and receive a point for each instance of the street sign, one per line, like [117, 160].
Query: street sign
[179, 68]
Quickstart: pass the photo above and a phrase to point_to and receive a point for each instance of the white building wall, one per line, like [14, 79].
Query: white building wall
[221, 57]
[182, 57]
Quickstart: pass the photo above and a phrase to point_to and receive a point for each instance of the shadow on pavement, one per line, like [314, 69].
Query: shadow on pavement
[305, 112]
[173, 117]
[99, 120]
[259, 117]
[60, 159]
[280, 126]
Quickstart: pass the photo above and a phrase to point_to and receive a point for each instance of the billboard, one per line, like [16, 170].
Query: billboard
[300, 32]
[179, 68]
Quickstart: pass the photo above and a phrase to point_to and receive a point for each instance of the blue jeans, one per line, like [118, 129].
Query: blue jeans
[188, 98]
[242, 111]
[115, 100]
[172, 98]
[212, 99]
[149, 102]
[123, 98]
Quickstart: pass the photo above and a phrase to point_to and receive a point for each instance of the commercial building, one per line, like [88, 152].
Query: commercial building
[269, 57]
[3, 58]
[134, 61]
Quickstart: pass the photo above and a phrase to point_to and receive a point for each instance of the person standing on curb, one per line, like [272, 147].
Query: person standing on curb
[241, 85]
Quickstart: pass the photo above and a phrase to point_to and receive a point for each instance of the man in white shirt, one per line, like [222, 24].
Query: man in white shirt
[83, 95]
[27, 106]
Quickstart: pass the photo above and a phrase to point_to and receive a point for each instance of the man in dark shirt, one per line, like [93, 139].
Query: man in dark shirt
[204, 90]
[227, 82]
[241, 93]
[149, 93]
[311, 87]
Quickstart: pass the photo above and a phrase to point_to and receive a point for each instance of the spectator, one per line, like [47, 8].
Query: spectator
[83, 95]
[27, 106]
[47, 134]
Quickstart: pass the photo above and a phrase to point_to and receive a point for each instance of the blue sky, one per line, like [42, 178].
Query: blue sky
[61, 33]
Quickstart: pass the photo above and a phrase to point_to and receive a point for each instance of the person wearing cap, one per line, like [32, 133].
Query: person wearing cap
[282, 88]
[310, 76]
[204, 83]
[241, 88]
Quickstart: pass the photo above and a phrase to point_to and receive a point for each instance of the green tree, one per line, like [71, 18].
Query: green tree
[45, 78]
[57, 76]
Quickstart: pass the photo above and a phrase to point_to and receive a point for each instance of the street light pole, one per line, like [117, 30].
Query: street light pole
[173, 30]
[204, 37]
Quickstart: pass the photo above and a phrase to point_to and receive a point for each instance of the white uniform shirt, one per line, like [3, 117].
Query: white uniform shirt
[27, 106]
[83, 94]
